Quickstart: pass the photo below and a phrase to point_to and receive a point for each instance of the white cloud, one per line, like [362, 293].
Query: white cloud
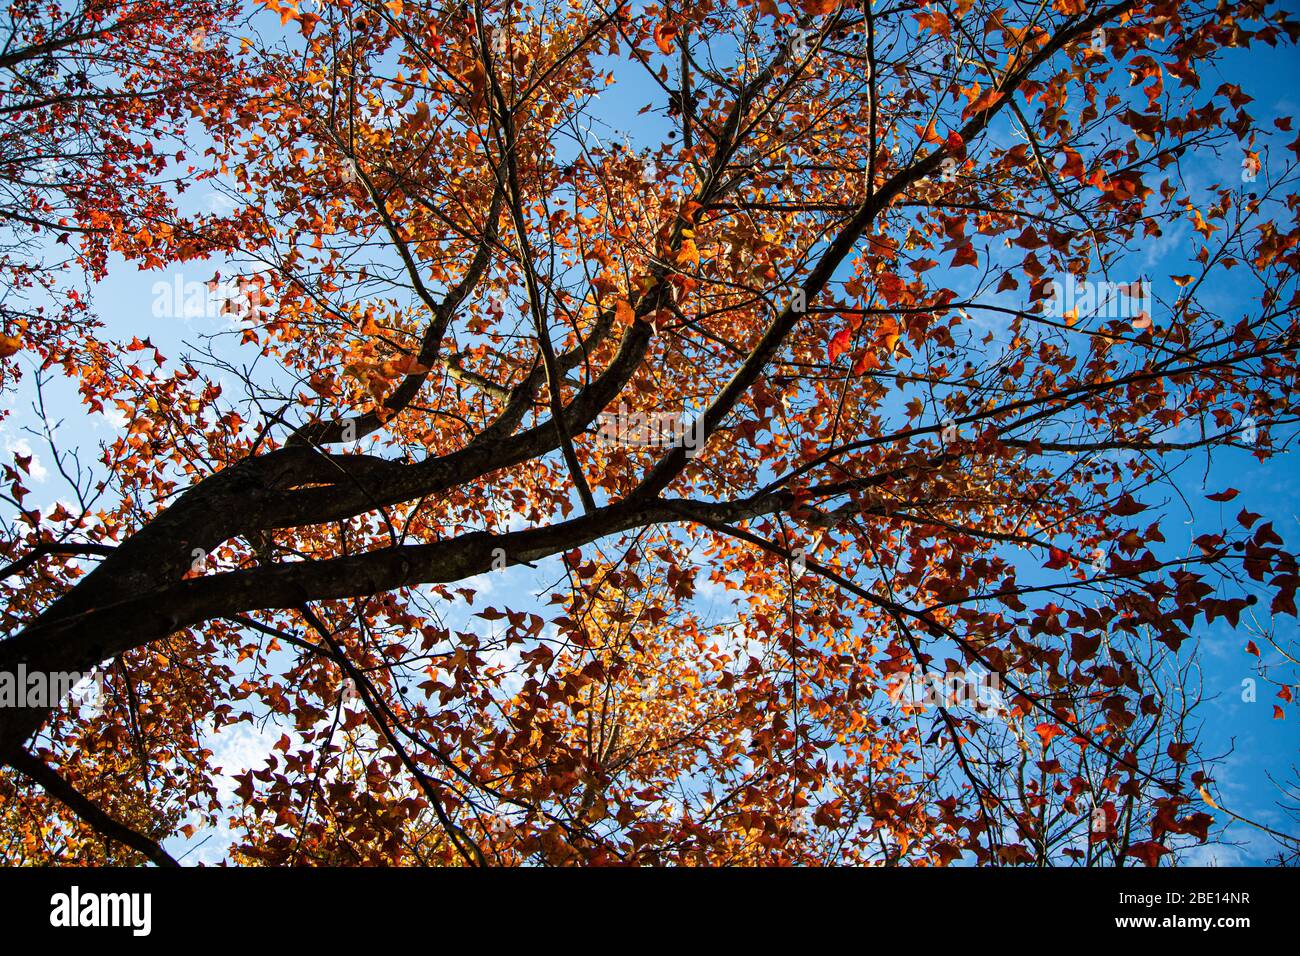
[19, 446]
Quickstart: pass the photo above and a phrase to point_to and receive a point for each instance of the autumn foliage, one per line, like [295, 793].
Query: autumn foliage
[830, 241]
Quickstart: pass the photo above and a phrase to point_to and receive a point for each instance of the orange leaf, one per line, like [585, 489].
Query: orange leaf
[935, 22]
[1048, 732]
[1073, 164]
[664, 37]
[688, 253]
[865, 362]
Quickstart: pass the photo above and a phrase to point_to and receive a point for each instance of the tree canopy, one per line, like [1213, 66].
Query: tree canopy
[843, 406]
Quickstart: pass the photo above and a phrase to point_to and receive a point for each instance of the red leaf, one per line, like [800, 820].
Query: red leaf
[1083, 647]
[965, 256]
[839, 344]
[1149, 852]
[1127, 506]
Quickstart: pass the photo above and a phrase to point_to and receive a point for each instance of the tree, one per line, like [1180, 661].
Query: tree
[859, 340]
[97, 100]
